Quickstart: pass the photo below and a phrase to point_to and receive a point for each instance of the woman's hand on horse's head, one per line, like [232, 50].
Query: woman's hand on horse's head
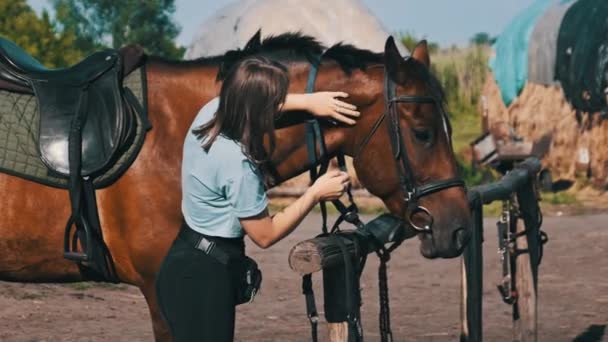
[325, 104]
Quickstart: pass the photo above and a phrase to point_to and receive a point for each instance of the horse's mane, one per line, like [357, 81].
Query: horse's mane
[295, 46]
[290, 46]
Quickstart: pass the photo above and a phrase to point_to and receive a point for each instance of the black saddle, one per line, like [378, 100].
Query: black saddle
[86, 120]
[88, 94]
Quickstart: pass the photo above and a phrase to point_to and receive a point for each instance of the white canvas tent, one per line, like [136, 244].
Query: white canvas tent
[329, 22]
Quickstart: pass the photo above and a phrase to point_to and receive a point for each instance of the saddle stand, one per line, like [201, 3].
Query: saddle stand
[86, 120]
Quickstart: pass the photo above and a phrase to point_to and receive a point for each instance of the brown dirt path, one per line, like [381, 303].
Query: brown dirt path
[424, 296]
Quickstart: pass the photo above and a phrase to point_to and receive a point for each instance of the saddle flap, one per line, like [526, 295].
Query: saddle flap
[102, 128]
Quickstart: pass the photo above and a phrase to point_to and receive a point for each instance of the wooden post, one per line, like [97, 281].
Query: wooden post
[322, 253]
[338, 332]
[472, 280]
[524, 309]
[525, 315]
[313, 255]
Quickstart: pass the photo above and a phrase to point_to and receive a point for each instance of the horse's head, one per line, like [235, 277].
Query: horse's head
[407, 158]
[410, 165]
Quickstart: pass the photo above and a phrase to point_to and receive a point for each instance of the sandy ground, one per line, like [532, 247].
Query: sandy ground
[573, 296]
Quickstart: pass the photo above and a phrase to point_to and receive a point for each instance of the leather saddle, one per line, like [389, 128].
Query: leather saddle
[86, 120]
[86, 97]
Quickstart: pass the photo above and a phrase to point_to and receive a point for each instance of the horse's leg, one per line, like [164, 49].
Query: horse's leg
[161, 330]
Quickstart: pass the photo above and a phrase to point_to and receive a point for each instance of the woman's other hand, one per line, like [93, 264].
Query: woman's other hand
[326, 104]
[331, 185]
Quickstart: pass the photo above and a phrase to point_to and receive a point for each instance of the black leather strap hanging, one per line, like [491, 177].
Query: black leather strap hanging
[314, 139]
[95, 262]
[313, 134]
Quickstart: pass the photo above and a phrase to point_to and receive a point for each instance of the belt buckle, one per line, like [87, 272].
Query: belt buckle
[205, 245]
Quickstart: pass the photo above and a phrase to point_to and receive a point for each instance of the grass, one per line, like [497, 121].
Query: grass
[559, 198]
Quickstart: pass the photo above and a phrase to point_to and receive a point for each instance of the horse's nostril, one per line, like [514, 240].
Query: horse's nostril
[461, 238]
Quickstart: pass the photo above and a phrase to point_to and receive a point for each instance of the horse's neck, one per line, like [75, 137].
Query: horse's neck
[177, 92]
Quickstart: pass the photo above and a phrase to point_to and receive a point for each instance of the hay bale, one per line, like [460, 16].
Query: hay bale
[537, 112]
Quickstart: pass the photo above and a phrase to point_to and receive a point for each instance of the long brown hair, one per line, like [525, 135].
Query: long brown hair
[250, 97]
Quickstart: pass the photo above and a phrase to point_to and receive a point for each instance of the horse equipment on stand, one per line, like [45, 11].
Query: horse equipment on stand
[411, 191]
[507, 236]
[88, 120]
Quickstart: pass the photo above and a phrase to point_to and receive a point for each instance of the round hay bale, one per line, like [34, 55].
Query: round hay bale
[540, 112]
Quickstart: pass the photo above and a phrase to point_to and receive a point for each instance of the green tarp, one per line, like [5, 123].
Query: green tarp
[510, 63]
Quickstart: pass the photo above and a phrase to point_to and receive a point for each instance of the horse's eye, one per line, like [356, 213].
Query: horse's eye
[424, 136]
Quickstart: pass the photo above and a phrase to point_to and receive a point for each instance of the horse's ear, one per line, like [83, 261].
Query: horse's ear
[255, 41]
[392, 58]
[421, 53]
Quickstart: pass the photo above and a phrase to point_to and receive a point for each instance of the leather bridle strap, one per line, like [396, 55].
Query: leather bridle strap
[411, 191]
[433, 187]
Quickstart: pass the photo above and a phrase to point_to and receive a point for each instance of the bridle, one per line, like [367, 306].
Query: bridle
[412, 192]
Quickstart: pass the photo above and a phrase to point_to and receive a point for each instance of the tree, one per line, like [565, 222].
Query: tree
[482, 38]
[114, 23]
[20, 24]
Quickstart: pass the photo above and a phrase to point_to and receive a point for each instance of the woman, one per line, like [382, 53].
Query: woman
[204, 275]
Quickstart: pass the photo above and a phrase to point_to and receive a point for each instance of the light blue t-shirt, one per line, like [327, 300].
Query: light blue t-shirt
[220, 186]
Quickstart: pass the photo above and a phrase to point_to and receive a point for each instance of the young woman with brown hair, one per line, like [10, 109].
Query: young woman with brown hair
[205, 273]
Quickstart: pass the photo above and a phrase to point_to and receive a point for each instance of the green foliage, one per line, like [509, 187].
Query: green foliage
[20, 24]
[462, 73]
[559, 198]
[409, 40]
[482, 38]
[115, 23]
[470, 176]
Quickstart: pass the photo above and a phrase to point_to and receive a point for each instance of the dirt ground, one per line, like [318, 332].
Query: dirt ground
[573, 296]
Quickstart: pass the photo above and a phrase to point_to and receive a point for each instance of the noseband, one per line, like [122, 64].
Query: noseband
[407, 181]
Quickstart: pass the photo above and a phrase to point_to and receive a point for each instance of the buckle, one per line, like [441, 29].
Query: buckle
[205, 245]
[253, 293]
[314, 319]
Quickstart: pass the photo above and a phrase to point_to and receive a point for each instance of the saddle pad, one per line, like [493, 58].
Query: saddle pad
[19, 124]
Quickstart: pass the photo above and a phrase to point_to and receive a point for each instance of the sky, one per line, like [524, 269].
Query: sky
[447, 22]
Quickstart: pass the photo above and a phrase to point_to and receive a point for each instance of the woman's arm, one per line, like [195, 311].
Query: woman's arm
[266, 231]
[323, 104]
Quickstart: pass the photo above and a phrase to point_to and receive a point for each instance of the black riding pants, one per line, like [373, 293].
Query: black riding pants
[196, 293]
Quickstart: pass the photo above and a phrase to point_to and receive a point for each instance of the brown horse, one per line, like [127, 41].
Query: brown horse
[140, 213]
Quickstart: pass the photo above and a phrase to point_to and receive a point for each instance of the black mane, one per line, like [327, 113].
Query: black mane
[291, 46]
[295, 46]
[350, 57]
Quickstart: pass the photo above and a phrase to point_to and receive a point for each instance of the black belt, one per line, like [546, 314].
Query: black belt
[207, 243]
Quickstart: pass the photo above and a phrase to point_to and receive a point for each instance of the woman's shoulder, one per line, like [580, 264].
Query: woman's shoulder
[205, 114]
